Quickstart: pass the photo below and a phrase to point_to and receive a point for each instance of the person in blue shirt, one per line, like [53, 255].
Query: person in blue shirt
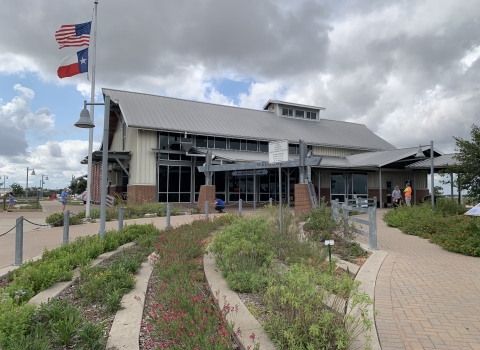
[64, 195]
[219, 205]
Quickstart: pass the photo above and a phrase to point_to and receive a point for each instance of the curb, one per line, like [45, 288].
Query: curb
[367, 275]
[125, 330]
[54, 290]
[242, 319]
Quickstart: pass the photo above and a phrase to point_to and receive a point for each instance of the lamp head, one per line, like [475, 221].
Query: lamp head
[85, 121]
[46, 178]
[420, 153]
[33, 172]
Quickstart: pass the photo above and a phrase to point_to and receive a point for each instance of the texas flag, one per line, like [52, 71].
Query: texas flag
[74, 64]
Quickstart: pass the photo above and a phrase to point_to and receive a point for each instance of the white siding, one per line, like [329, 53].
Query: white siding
[117, 144]
[143, 162]
[398, 178]
[334, 152]
[324, 177]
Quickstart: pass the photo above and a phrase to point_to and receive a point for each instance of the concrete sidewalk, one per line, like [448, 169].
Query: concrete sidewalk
[426, 297]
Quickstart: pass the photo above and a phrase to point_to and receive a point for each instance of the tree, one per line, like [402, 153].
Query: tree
[468, 163]
[17, 189]
[438, 190]
[77, 186]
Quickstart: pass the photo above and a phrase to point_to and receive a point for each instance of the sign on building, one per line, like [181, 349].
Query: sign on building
[278, 151]
[249, 172]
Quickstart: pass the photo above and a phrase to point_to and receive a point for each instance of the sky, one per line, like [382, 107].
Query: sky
[408, 70]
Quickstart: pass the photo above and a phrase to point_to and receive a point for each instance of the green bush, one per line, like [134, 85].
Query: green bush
[455, 233]
[320, 224]
[56, 219]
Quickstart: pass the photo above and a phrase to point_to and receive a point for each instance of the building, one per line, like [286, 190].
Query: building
[156, 144]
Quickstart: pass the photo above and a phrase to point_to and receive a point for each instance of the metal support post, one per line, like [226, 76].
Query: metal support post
[345, 219]
[270, 201]
[66, 226]
[380, 187]
[432, 171]
[167, 225]
[19, 242]
[206, 209]
[372, 227]
[104, 183]
[254, 192]
[120, 218]
[240, 206]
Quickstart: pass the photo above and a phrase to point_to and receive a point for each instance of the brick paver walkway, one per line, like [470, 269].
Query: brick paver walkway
[426, 297]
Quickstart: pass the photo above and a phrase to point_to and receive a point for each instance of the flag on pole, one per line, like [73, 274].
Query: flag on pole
[74, 64]
[74, 35]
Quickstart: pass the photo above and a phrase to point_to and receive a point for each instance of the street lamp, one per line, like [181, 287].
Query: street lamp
[43, 183]
[26, 189]
[421, 155]
[86, 122]
[4, 177]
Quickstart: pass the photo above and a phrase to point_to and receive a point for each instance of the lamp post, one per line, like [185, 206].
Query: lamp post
[26, 188]
[4, 177]
[43, 183]
[421, 155]
[86, 122]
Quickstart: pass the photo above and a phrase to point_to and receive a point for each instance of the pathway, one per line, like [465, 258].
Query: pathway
[426, 297]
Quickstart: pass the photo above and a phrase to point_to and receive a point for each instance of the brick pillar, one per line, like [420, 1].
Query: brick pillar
[303, 203]
[207, 193]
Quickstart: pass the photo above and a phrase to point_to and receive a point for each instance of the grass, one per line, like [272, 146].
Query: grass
[444, 226]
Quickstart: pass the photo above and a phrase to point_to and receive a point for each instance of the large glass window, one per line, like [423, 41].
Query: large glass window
[263, 146]
[234, 144]
[287, 112]
[252, 145]
[174, 183]
[299, 114]
[164, 140]
[311, 115]
[337, 187]
[220, 143]
[201, 141]
[292, 149]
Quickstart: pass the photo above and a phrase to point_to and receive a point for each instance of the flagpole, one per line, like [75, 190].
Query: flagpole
[92, 115]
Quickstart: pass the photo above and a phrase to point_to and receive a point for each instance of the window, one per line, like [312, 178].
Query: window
[252, 145]
[292, 149]
[211, 142]
[220, 143]
[287, 112]
[299, 114]
[174, 183]
[263, 146]
[234, 144]
[243, 145]
[311, 115]
[201, 141]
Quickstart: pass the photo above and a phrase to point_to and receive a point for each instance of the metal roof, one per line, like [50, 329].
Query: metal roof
[438, 162]
[382, 158]
[239, 156]
[152, 112]
[291, 104]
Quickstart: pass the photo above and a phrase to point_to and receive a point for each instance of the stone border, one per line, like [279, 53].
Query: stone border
[54, 290]
[125, 330]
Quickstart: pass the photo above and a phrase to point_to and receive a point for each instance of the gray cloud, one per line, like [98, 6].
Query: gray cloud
[386, 64]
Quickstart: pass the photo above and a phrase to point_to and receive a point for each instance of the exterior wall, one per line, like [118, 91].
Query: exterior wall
[140, 194]
[117, 142]
[302, 199]
[399, 177]
[95, 186]
[143, 162]
[334, 152]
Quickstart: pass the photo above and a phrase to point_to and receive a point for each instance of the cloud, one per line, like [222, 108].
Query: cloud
[409, 70]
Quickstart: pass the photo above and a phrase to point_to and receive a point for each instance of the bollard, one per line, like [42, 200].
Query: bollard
[19, 242]
[372, 227]
[254, 203]
[270, 201]
[66, 226]
[240, 205]
[206, 210]
[120, 218]
[167, 225]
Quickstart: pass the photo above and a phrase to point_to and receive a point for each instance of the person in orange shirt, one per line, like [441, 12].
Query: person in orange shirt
[408, 195]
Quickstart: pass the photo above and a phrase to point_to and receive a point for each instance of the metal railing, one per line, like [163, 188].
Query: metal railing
[343, 211]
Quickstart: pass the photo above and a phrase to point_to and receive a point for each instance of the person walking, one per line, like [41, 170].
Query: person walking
[11, 201]
[219, 205]
[408, 195]
[396, 197]
[64, 196]
[84, 197]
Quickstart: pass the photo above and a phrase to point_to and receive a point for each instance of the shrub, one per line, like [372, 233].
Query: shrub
[56, 219]
[320, 224]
